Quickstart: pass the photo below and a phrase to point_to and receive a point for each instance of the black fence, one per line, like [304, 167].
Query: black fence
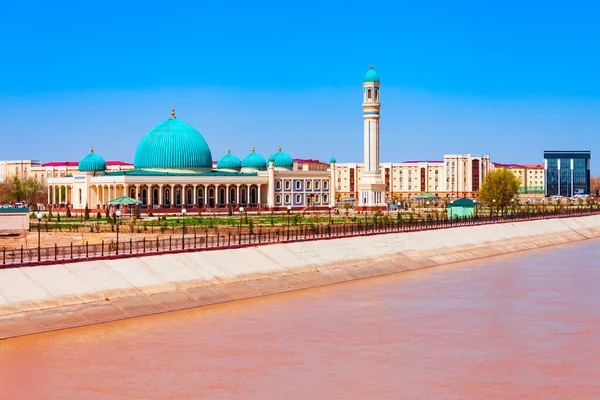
[253, 237]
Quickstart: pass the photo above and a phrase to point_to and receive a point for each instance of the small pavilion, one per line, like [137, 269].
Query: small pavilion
[461, 208]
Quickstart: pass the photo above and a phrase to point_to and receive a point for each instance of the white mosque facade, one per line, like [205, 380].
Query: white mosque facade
[173, 169]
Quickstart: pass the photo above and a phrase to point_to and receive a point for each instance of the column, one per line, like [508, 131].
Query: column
[227, 199]
[160, 195]
[172, 195]
[237, 201]
[259, 197]
[49, 195]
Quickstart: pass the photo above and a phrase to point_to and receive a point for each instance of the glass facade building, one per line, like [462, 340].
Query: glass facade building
[567, 173]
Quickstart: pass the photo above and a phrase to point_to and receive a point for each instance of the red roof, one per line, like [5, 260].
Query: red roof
[118, 163]
[61, 164]
[518, 165]
[307, 160]
[422, 161]
[76, 163]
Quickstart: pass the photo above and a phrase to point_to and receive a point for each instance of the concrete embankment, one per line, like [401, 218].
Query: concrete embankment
[44, 298]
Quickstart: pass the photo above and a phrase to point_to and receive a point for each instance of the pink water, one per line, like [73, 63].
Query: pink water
[517, 327]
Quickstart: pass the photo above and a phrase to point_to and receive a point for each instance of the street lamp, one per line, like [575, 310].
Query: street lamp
[39, 216]
[183, 212]
[492, 210]
[289, 209]
[240, 226]
[118, 214]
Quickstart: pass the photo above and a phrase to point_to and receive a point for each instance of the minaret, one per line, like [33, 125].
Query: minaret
[371, 186]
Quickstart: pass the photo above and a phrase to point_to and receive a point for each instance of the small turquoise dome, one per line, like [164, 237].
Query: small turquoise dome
[282, 159]
[271, 158]
[92, 162]
[332, 160]
[254, 160]
[229, 161]
[173, 144]
[371, 75]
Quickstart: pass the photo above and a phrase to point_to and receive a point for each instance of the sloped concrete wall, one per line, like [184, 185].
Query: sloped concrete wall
[43, 298]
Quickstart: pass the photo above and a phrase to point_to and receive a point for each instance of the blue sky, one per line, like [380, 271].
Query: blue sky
[505, 78]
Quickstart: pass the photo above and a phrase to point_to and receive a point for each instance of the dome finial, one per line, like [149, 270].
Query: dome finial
[92, 149]
[371, 66]
[253, 149]
[228, 151]
[279, 148]
[173, 111]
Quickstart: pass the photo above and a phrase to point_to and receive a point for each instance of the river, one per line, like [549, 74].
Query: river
[523, 326]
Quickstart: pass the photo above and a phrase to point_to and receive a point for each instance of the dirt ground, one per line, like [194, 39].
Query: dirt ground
[48, 239]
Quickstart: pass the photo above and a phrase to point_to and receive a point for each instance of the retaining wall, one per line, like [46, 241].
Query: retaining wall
[44, 298]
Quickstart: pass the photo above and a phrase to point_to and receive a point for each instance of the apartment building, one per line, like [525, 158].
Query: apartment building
[19, 168]
[531, 177]
[457, 175]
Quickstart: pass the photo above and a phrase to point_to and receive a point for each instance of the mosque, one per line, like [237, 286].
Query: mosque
[173, 169]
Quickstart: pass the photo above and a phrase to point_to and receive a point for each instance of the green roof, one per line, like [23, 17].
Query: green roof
[332, 160]
[144, 172]
[124, 200]
[92, 162]
[283, 160]
[254, 160]
[464, 202]
[229, 161]
[371, 75]
[173, 144]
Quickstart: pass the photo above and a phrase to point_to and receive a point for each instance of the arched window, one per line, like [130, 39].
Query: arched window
[325, 198]
[376, 94]
[325, 185]
[278, 199]
[316, 199]
[288, 185]
[298, 199]
[298, 184]
[308, 185]
[317, 185]
[278, 185]
[287, 199]
[369, 94]
[80, 196]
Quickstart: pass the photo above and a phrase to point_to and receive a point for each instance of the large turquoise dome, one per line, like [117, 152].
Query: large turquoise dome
[92, 162]
[173, 144]
[283, 160]
[371, 75]
[254, 160]
[229, 161]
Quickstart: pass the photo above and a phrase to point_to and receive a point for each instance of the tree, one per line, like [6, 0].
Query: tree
[500, 185]
[86, 212]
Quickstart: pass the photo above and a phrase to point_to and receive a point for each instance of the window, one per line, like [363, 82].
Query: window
[316, 199]
[298, 199]
[317, 185]
[288, 185]
[287, 199]
[325, 198]
[325, 185]
[298, 184]
[308, 183]
[369, 94]
[278, 185]
[278, 199]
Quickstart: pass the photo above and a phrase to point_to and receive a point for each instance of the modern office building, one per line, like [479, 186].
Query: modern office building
[567, 173]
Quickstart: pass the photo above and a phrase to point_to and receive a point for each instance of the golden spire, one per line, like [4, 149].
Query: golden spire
[279, 148]
[253, 149]
[92, 149]
[228, 151]
[371, 67]
[173, 111]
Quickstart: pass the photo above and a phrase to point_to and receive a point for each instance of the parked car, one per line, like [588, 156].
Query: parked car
[6, 206]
